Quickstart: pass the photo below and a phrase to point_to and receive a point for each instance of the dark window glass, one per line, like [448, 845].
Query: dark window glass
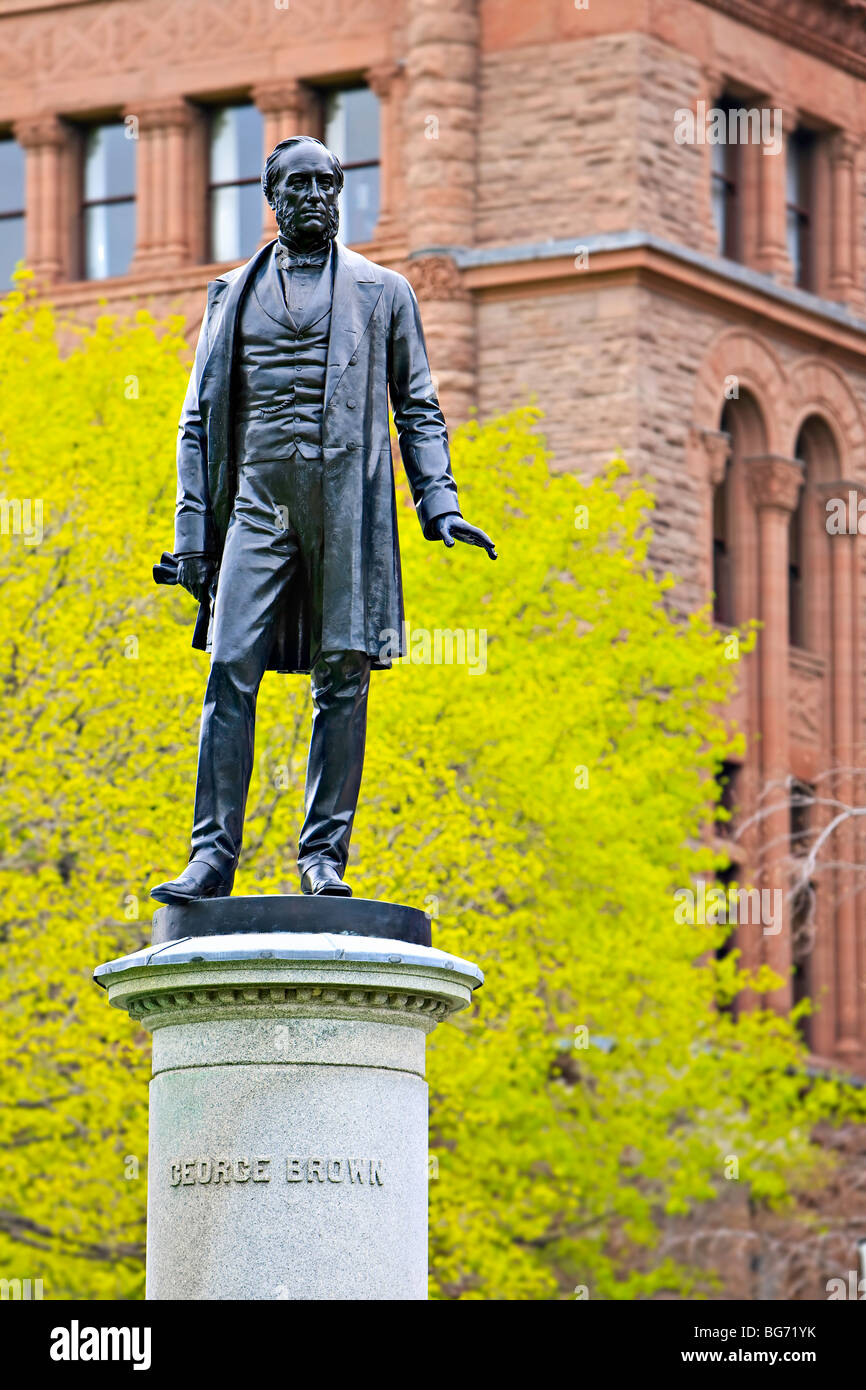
[796, 608]
[799, 161]
[11, 208]
[723, 605]
[236, 158]
[802, 801]
[727, 195]
[352, 132]
[108, 204]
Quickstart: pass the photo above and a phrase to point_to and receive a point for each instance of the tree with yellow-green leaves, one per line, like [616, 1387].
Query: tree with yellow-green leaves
[543, 798]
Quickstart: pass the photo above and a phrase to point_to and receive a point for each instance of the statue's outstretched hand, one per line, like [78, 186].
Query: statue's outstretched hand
[194, 573]
[452, 527]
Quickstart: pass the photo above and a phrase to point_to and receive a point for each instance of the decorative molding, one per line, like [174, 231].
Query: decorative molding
[169, 1005]
[127, 37]
[833, 30]
[437, 277]
[805, 702]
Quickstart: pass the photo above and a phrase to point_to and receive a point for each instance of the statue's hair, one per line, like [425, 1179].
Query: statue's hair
[273, 160]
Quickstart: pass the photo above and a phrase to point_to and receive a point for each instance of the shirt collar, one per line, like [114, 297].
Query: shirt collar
[288, 260]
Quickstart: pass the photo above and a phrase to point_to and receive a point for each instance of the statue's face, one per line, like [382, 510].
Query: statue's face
[304, 191]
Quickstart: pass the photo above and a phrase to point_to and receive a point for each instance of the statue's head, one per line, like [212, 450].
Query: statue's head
[302, 181]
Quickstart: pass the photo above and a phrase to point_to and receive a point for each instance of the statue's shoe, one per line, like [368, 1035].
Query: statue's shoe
[198, 880]
[322, 880]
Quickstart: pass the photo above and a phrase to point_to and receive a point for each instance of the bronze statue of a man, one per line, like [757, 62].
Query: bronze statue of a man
[286, 526]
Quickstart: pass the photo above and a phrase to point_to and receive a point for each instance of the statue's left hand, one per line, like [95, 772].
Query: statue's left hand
[452, 527]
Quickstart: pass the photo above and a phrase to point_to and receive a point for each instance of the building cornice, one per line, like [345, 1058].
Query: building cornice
[508, 270]
[834, 30]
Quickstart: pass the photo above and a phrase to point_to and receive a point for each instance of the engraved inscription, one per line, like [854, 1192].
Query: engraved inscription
[215, 1172]
[204, 1171]
[352, 1170]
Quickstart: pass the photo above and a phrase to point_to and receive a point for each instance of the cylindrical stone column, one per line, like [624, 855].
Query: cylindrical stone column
[160, 231]
[775, 482]
[771, 252]
[440, 147]
[843, 229]
[843, 569]
[45, 140]
[288, 1111]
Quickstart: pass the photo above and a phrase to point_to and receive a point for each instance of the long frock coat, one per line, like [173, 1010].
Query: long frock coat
[376, 347]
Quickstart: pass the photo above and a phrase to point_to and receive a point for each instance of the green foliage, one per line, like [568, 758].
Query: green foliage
[543, 809]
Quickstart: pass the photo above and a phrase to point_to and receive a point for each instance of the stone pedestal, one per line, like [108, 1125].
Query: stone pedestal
[288, 1110]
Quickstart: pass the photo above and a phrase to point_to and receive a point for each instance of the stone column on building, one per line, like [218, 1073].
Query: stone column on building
[842, 848]
[384, 81]
[712, 87]
[843, 222]
[441, 160]
[161, 242]
[775, 484]
[771, 252]
[45, 140]
[285, 107]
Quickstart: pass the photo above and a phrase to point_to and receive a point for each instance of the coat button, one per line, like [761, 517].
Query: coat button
[353, 361]
[351, 404]
[351, 444]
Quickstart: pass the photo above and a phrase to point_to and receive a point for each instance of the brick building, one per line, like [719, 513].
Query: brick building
[697, 303]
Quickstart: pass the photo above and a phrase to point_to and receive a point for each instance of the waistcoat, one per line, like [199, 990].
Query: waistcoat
[280, 370]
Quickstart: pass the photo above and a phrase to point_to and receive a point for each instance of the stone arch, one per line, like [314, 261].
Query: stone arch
[739, 353]
[820, 390]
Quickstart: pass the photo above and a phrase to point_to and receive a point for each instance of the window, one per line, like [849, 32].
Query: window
[108, 205]
[11, 208]
[235, 187]
[352, 132]
[726, 195]
[798, 200]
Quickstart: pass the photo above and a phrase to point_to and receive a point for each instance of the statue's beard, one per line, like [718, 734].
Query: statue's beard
[287, 224]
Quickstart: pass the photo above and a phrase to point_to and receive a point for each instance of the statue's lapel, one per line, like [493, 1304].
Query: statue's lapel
[224, 297]
[356, 294]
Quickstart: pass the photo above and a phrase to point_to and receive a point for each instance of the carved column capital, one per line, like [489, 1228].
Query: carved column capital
[381, 78]
[843, 146]
[775, 481]
[436, 277]
[36, 132]
[280, 98]
[175, 114]
[714, 447]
